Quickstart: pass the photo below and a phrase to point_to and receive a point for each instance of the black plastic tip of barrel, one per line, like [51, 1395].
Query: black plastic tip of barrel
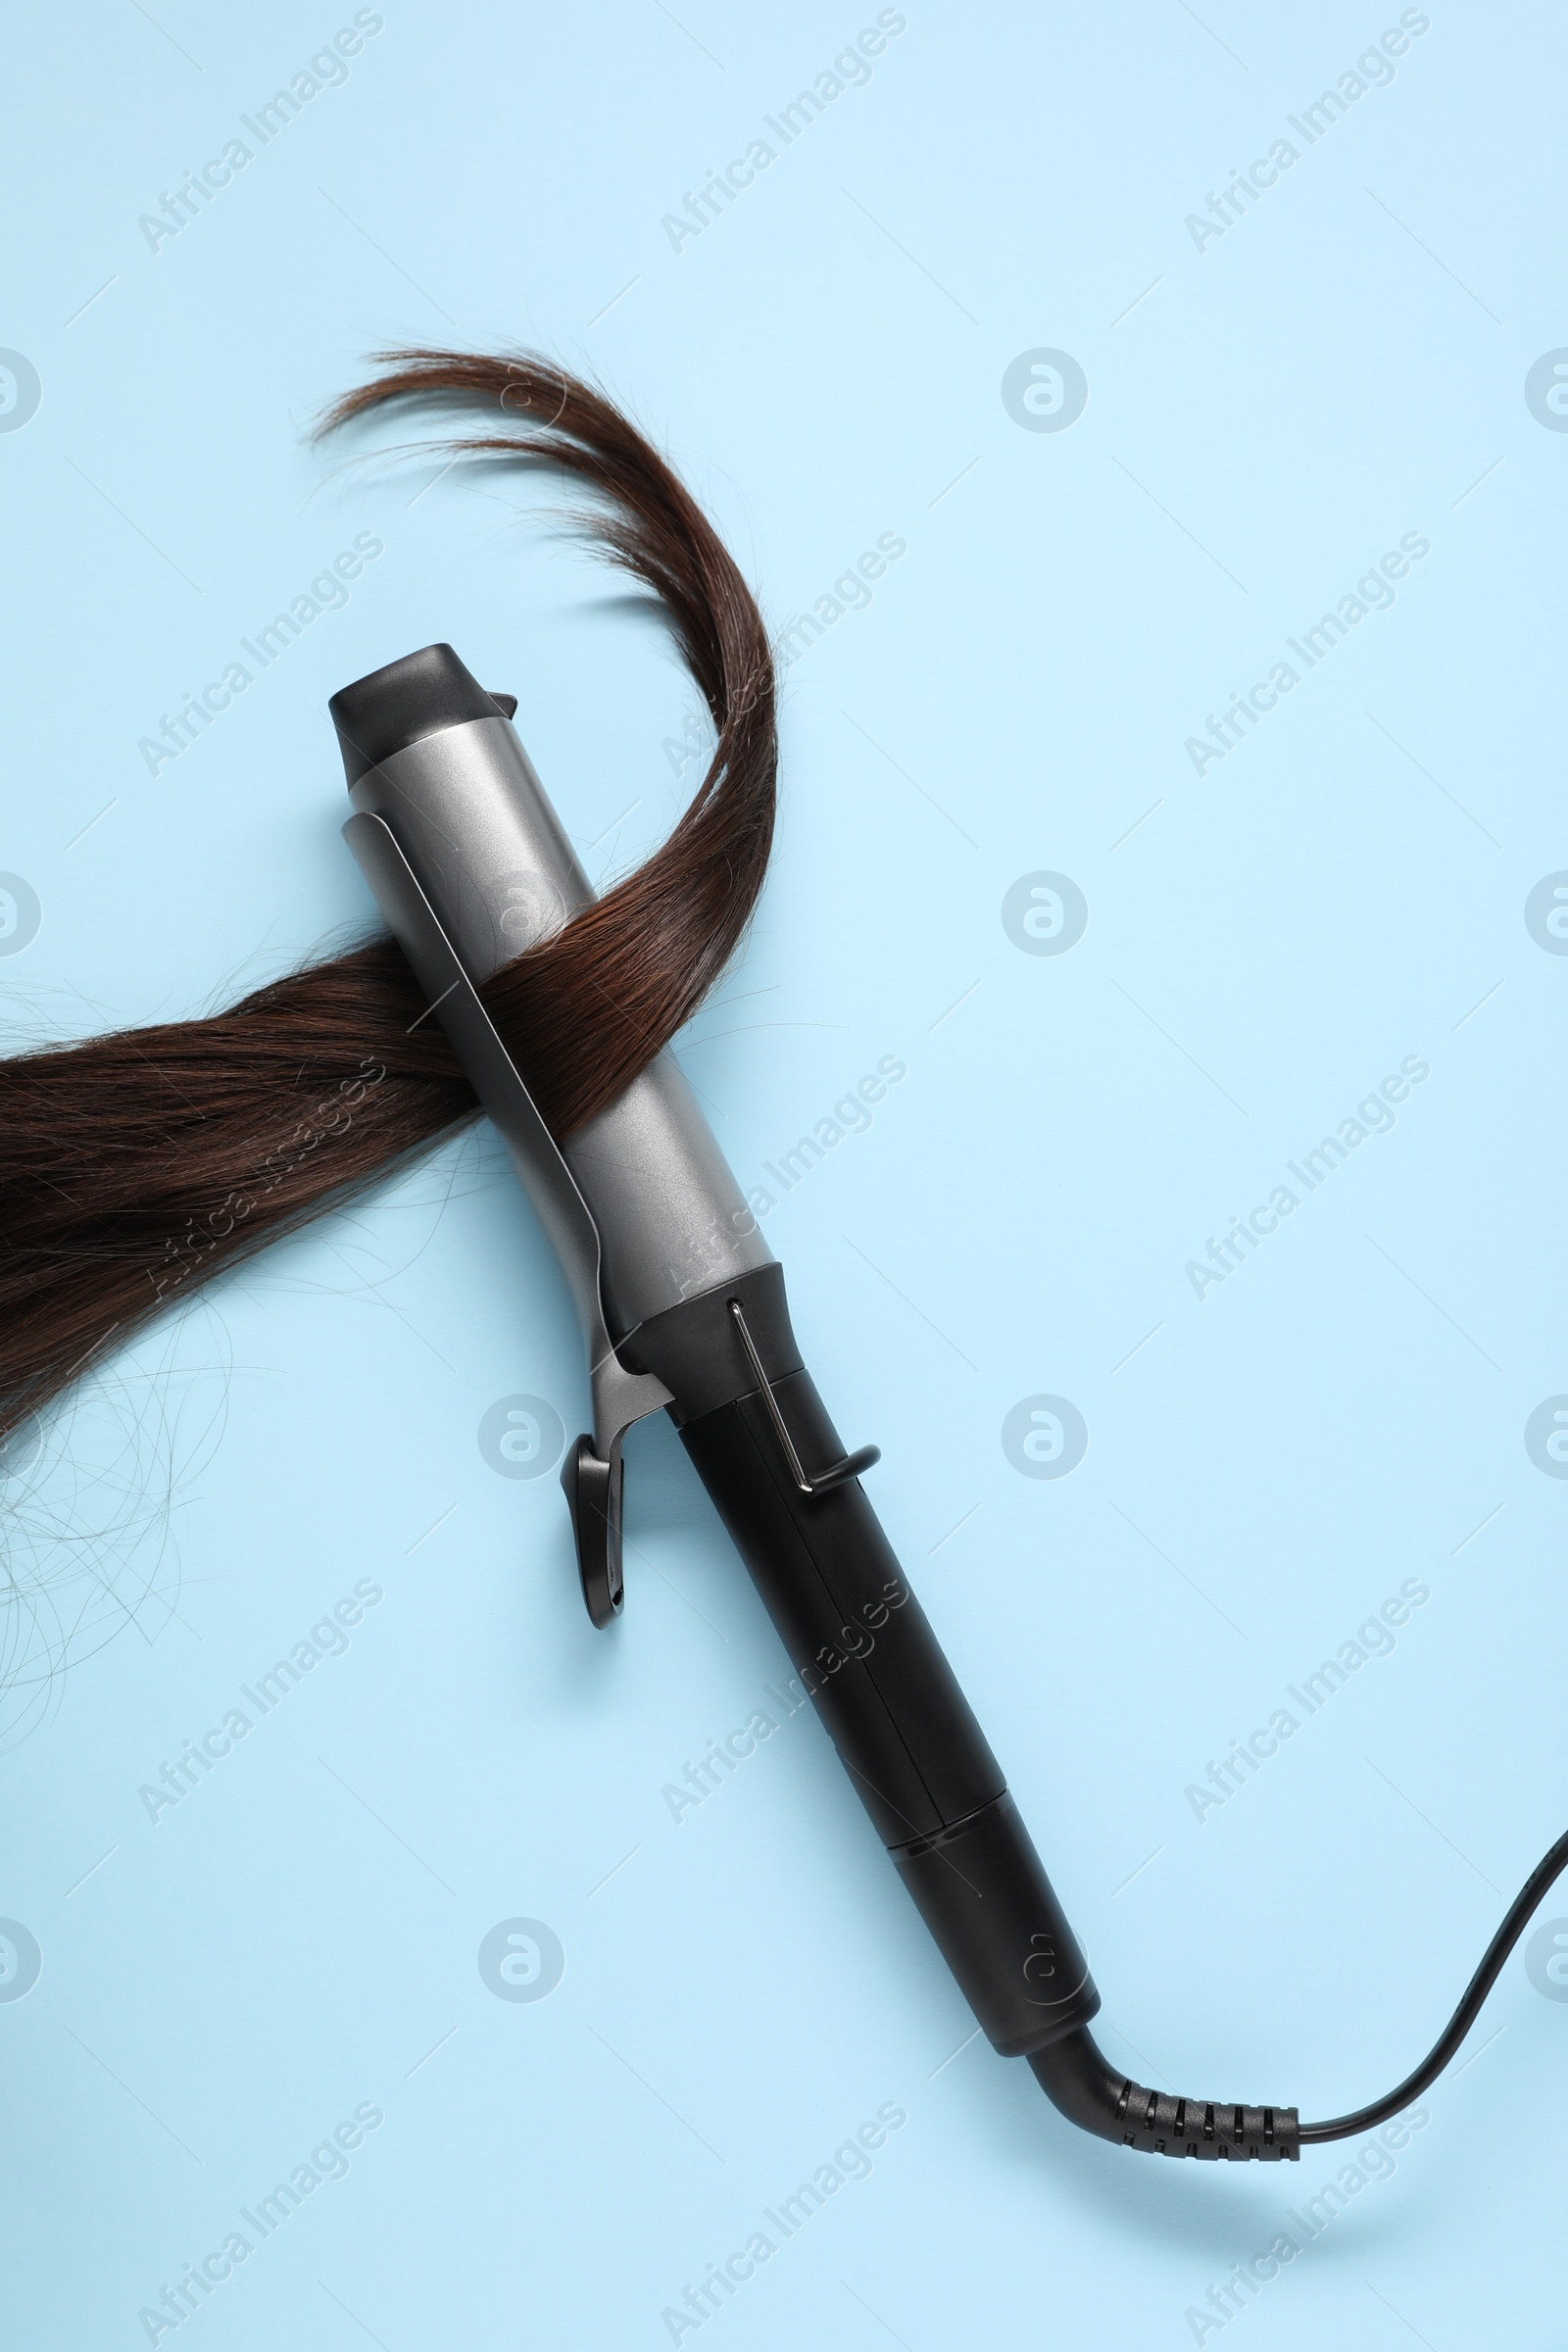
[381, 714]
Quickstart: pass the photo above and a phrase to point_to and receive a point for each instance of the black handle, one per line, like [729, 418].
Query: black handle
[861, 1646]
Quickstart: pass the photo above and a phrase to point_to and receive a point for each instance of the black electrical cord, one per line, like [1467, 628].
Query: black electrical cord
[1517, 1918]
[1078, 2078]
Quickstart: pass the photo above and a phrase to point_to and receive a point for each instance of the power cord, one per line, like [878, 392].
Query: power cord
[1078, 2078]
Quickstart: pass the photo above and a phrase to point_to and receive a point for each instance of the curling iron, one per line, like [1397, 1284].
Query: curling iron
[682, 1308]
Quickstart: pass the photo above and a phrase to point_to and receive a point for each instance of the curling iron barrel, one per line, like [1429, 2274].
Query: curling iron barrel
[434, 758]
[683, 1305]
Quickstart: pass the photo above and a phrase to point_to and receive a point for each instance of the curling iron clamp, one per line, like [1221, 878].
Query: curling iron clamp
[682, 1307]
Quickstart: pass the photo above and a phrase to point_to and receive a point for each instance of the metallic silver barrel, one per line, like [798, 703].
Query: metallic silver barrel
[494, 862]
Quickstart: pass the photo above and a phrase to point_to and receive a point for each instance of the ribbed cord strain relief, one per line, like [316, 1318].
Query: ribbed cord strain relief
[1076, 2077]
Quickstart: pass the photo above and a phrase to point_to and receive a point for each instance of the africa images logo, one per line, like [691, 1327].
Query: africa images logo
[20, 1960]
[1044, 913]
[20, 912]
[1546, 1959]
[1546, 390]
[522, 1437]
[1546, 1437]
[21, 391]
[1044, 390]
[1045, 1437]
[1545, 912]
[522, 1960]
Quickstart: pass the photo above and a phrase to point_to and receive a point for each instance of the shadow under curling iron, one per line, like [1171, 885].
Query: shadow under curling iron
[682, 1307]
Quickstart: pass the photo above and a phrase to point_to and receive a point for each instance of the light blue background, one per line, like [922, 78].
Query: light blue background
[1265, 418]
